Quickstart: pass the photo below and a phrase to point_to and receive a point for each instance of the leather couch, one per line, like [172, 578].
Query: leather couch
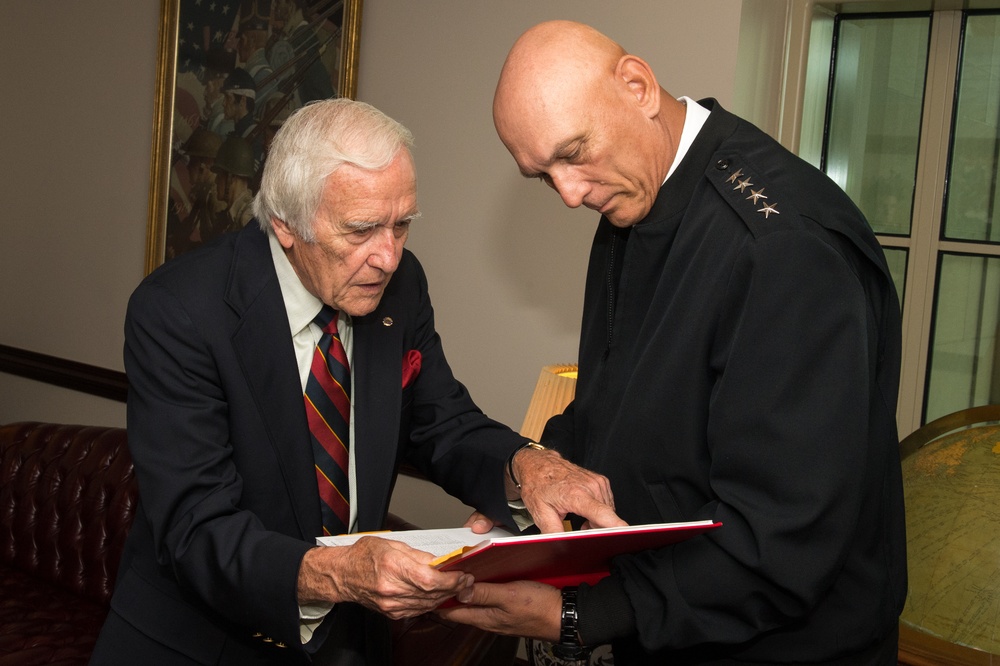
[67, 497]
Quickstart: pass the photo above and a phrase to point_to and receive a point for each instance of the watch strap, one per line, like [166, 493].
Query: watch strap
[510, 460]
[570, 646]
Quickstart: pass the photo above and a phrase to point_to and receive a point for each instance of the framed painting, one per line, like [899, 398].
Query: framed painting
[228, 73]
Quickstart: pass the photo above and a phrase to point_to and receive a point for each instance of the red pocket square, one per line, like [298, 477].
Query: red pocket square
[411, 366]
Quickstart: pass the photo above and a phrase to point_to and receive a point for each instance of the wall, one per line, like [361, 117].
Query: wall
[76, 131]
[504, 257]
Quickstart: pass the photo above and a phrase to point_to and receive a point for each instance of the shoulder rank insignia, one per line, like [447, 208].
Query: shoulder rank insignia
[744, 192]
[741, 182]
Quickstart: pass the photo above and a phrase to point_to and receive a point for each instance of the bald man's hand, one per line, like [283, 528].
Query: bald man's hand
[521, 608]
[552, 487]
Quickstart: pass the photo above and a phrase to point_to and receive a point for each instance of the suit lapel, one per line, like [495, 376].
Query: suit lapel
[263, 346]
[378, 343]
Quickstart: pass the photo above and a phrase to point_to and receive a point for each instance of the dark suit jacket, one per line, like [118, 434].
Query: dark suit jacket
[218, 433]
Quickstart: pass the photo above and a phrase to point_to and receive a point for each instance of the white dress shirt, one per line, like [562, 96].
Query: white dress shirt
[301, 308]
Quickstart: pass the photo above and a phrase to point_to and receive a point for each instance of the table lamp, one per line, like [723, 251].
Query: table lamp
[555, 389]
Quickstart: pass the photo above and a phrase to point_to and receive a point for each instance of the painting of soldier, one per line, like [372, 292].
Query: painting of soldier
[240, 74]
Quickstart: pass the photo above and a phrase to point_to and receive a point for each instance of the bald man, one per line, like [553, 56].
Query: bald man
[739, 362]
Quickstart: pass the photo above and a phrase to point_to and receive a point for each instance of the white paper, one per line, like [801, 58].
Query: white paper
[435, 542]
[444, 542]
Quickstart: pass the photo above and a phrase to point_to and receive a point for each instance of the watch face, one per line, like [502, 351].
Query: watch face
[541, 653]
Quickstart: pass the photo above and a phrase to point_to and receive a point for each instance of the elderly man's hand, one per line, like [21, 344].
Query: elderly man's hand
[479, 523]
[552, 487]
[387, 576]
[522, 608]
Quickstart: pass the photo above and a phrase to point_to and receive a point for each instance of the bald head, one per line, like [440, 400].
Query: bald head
[552, 63]
[556, 55]
[577, 111]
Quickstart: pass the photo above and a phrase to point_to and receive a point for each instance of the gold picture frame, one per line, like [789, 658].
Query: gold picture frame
[202, 41]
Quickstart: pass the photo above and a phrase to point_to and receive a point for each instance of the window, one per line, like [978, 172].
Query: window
[911, 131]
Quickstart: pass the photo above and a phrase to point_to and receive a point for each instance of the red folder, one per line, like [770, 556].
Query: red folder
[565, 558]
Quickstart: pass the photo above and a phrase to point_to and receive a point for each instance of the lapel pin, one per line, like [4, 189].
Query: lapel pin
[387, 321]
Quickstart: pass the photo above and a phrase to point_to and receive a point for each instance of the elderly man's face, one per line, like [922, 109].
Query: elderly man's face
[360, 229]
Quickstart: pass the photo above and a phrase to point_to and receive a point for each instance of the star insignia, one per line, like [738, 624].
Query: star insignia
[743, 184]
[757, 195]
[735, 176]
[768, 209]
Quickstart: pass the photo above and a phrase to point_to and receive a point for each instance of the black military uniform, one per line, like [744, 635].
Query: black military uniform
[739, 361]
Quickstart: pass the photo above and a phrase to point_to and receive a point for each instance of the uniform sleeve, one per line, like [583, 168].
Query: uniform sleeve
[558, 432]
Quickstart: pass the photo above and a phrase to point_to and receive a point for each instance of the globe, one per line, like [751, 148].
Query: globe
[952, 492]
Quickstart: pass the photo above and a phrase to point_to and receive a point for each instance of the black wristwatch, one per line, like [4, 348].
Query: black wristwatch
[570, 646]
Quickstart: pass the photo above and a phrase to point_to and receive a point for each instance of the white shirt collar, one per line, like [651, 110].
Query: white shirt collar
[300, 306]
[694, 119]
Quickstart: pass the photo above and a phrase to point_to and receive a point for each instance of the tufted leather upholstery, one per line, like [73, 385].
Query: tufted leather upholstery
[67, 498]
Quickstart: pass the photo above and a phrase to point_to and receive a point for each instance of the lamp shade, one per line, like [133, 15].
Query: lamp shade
[555, 389]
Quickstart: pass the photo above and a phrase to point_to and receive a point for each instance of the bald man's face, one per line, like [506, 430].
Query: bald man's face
[587, 142]
[588, 148]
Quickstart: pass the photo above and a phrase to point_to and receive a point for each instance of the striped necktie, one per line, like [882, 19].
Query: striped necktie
[328, 409]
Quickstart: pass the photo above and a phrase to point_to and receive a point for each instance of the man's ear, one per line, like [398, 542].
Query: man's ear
[640, 83]
[283, 233]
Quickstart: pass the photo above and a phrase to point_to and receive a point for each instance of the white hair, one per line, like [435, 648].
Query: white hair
[313, 143]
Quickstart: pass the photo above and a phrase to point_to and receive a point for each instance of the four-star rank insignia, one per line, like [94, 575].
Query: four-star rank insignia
[745, 194]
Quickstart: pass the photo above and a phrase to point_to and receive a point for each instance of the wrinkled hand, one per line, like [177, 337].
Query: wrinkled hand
[386, 576]
[479, 523]
[523, 608]
[552, 487]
